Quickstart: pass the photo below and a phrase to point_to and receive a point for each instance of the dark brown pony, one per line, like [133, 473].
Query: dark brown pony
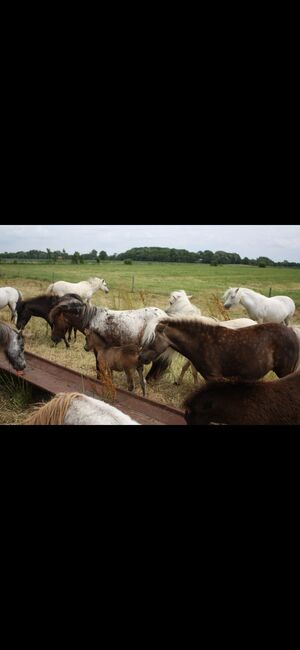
[247, 353]
[41, 306]
[262, 402]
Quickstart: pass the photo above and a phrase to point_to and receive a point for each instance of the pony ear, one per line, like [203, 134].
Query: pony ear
[160, 326]
[189, 297]
[237, 290]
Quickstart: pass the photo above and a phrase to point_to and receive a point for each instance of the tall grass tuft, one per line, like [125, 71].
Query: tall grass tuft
[109, 390]
[17, 390]
[216, 308]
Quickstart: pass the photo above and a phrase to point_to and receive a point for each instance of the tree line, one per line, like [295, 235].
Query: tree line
[146, 254]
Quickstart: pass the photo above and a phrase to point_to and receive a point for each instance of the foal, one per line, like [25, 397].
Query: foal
[120, 358]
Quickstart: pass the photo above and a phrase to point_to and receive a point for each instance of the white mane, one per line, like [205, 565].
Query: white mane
[179, 303]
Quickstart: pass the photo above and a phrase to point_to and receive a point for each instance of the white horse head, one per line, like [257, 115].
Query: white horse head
[98, 283]
[231, 297]
[177, 295]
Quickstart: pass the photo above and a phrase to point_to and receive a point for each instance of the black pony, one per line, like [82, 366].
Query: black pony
[41, 306]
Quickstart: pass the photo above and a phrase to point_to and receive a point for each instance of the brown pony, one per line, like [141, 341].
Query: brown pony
[262, 402]
[247, 353]
[119, 358]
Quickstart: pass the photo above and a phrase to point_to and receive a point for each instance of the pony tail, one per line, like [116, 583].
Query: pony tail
[160, 365]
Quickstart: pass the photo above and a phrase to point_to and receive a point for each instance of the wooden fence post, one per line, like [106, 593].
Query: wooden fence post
[270, 291]
[132, 285]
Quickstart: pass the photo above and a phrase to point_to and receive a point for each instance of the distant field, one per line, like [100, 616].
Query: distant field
[155, 278]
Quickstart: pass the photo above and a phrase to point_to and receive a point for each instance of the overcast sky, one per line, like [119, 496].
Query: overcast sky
[276, 242]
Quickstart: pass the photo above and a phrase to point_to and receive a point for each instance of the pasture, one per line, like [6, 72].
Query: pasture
[151, 283]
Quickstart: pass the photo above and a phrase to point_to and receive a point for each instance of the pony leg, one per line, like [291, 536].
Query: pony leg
[66, 342]
[130, 382]
[195, 373]
[14, 315]
[140, 370]
[75, 332]
[183, 371]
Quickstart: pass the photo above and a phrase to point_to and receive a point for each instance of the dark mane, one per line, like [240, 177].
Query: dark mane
[76, 307]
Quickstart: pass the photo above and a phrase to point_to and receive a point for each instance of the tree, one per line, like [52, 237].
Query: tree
[93, 254]
[102, 255]
[76, 258]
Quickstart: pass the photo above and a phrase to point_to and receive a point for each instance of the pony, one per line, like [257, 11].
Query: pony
[116, 327]
[120, 358]
[78, 409]
[277, 309]
[179, 303]
[247, 353]
[84, 289]
[262, 402]
[12, 344]
[10, 297]
[41, 306]
[235, 323]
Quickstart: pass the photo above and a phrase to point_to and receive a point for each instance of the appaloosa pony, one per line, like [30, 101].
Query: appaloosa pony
[115, 327]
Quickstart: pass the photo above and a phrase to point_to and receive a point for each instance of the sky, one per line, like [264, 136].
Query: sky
[276, 242]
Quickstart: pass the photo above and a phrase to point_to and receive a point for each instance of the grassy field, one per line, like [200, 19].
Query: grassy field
[151, 283]
[160, 279]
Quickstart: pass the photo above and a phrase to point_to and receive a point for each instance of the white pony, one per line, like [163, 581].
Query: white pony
[277, 309]
[79, 409]
[9, 298]
[180, 304]
[84, 289]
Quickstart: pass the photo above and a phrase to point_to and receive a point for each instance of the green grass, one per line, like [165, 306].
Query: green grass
[162, 278]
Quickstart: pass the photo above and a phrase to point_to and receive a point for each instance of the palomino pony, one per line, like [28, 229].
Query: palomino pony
[9, 297]
[76, 408]
[247, 353]
[116, 327]
[41, 306]
[12, 344]
[277, 309]
[262, 402]
[84, 289]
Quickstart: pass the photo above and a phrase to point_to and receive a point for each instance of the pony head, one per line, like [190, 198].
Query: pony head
[99, 283]
[176, 295]
[231, 297]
